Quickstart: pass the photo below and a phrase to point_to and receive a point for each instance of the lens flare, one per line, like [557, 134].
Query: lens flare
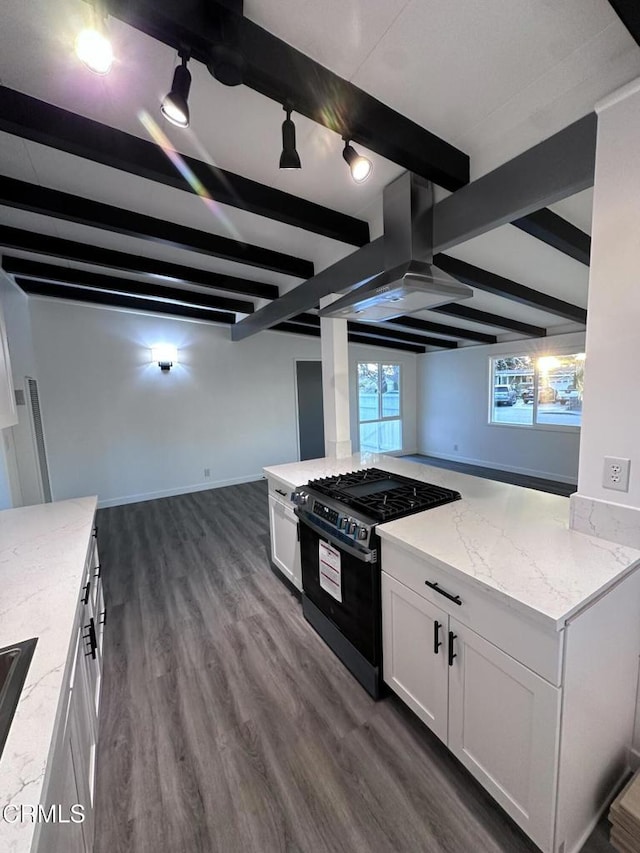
[163, 142]
[94, 49]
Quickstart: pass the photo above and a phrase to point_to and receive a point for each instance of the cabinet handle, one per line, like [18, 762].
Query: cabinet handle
[103, 621]
[455, 598]
[98, 569]
[85, 598]
[91, 636]
[452, 655]
[280, 492]
[95, 531]
[298, 531]
[437, 642]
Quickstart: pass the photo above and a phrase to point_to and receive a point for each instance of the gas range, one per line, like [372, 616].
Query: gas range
[352, 504]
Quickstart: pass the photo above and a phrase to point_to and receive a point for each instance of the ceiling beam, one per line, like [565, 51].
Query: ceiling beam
[345, 273]
[629, 13]
[301, 328]
[280, 72]
[464, 312]
[442, 329]
[72, 208]
[98, 281]
[499, 286]
[558, 167]
[68, 250]
[380, 332]
[29, 118]
[552, 229]
[119, 300]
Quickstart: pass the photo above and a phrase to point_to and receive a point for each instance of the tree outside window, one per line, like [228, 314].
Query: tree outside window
[379, 407]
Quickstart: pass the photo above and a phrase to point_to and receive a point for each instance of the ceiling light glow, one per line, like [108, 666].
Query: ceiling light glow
[361, 167]
[94, 49]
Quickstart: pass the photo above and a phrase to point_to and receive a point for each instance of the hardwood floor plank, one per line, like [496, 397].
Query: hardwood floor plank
[228, 726]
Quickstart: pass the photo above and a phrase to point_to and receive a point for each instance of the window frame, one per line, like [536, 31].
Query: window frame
[381, 418]
[535, 356]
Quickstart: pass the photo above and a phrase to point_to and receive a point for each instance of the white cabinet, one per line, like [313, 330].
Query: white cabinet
[542, 718]
[70, 774]
[283, 526]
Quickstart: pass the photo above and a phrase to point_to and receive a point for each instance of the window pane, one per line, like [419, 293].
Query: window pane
[512, 383]
[368, 397]
[560, 383]
[381, 436]
[390, 390]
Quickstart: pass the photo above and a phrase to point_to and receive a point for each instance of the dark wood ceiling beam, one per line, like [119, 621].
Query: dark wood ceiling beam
[379, 332]
[98, 281]
[280, 72]
[442, 329]
[504, 287]
[18, 239]
[558, 167]
[464, 312]
[555, 231]
[72, 208]
[49, 125]
[629, 13]
[119, 300]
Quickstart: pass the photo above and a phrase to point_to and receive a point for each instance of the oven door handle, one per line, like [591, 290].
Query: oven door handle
[365, 556]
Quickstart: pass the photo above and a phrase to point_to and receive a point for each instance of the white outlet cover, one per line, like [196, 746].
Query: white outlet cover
[615, 474]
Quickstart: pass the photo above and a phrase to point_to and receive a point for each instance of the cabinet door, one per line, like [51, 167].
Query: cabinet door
[414, 667]
[504, 726]
[63, 793]
[285, 547]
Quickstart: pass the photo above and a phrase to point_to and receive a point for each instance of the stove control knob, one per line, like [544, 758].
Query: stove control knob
[343, 524]
[352, 527]
[300, 498]
[363, 533]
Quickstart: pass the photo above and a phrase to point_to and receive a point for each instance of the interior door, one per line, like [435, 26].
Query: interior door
[310, 409]
[414, 652]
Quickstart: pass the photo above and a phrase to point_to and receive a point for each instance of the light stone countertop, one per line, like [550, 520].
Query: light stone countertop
[43, 551]
[513, 543]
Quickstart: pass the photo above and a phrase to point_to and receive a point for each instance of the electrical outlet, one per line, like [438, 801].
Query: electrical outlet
[207, 473]
[455, 446]
[616, 473]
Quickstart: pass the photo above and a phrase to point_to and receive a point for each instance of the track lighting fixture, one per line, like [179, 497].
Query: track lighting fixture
[175, 106]
[361, 167]
[94, 48]
[289, 159]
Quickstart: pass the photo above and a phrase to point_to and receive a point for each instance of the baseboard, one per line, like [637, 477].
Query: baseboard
[183, 490]
[482, 463]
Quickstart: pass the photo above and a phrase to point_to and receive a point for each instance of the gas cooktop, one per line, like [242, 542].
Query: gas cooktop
[381, 495]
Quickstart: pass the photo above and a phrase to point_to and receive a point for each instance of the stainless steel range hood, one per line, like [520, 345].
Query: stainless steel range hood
[410, 282]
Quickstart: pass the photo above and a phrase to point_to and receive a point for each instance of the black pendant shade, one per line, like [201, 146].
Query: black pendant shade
[289, 159]
[175, 106]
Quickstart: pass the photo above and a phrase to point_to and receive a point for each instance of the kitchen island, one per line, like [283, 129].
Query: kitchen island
[514, 638]
[47, 554]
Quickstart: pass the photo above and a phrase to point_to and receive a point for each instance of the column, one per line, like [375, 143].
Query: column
[335, 383]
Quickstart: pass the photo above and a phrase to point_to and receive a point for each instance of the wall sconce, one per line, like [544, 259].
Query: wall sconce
[166, 355]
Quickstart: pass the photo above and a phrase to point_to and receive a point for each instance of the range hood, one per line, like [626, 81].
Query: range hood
[410, 282]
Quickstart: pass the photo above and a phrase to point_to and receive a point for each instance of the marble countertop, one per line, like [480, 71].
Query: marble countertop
[43, 550]
[513, 543]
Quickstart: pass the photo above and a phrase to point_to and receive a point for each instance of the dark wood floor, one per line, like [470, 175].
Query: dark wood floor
[555, 487]
[227, 725]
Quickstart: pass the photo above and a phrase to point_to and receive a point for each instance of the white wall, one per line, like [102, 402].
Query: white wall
[453, 405]
[117, 427]
[18, 440]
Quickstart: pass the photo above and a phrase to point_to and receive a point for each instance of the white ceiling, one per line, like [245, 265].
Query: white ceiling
[491, 76]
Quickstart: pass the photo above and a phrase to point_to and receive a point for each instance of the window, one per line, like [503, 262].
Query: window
[545, 391]
[379, 409]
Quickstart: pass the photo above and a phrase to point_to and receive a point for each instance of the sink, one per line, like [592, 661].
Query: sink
[14, 665]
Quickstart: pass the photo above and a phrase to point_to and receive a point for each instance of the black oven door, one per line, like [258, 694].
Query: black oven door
[349, 620]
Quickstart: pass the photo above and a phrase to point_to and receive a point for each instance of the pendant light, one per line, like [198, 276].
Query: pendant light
[360, 167]
[175, 106]
[289, 159]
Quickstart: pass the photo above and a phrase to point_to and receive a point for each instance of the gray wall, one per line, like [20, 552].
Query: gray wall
[453, 408]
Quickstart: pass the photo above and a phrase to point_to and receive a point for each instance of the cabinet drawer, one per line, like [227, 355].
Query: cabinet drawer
[280, 491]
[509, 630]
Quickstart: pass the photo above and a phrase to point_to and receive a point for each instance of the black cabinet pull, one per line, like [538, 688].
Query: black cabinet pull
[455, 598]
[298, 531]
[95, 531]
[103, 621]
[91, 636]
[98, 569]
[85, 598]
[437, 642]
[452, 654]
[280, 492]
